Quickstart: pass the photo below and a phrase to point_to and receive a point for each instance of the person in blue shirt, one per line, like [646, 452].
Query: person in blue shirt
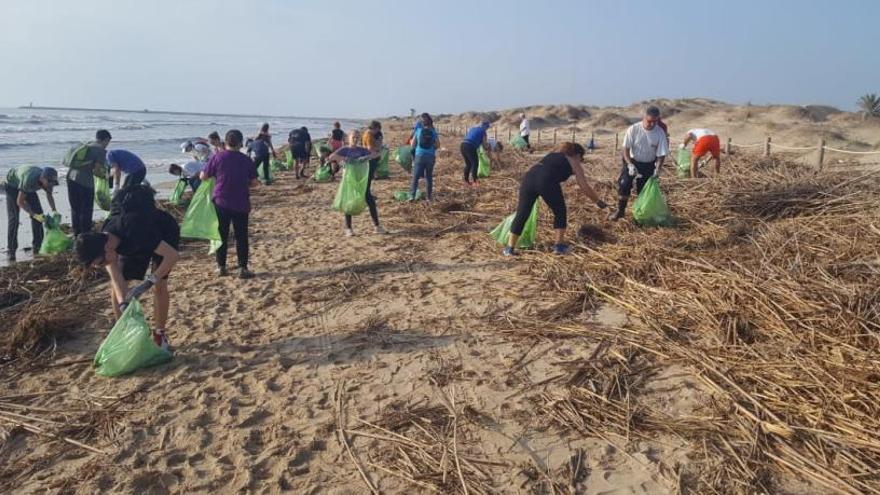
[121, 161]
[475, 137]
[425, 142]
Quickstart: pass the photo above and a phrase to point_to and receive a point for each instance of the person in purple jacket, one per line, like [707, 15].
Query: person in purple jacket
[235, 174]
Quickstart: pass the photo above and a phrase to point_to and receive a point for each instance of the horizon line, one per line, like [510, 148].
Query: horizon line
[173, 112]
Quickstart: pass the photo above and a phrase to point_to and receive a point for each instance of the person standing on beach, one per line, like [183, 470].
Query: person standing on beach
[373, 140]
[425, 142]
[645, 147]
[235, 174]
[135, 236]
[525, 130]
[705, 141]
[261, 149]
[300, 143]
[337, 137]
[21, 188]
[125, 161]
[351, 153]
[217, 144]
[83, 163]
[545, 180]
[476, 136]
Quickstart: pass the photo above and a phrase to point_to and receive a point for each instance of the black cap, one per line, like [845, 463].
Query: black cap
[51, 175]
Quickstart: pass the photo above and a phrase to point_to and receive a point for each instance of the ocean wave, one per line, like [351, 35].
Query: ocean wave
[116, 143]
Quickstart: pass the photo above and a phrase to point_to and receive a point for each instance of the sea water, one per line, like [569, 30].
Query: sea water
[42, 138]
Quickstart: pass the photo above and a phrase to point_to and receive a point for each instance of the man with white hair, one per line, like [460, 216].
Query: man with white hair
[525, 130]
[645, 147]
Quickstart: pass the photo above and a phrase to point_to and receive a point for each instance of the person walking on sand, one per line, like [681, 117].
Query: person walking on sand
[300, 143]
[545, 180]
[125, 161]
[645, 147]
[351, 153]
[476, 136]
[235, 174]
[525, 130]
[21, 186]
[425, 141]
[261, 150]
[705, 141]
[135, 236]
[337, 137]
[373, 139]
[83, 162]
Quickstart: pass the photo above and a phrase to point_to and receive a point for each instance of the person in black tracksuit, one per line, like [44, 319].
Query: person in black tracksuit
[545, 180]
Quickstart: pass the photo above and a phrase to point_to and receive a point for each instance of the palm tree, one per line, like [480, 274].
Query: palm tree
[869, 105]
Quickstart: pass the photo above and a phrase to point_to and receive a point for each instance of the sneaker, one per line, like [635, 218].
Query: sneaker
[378, 229]
[561, 249]
[244, 273]
[160, 339]
[221, 271]
[349, 233]
[508, 251]
[615, 215]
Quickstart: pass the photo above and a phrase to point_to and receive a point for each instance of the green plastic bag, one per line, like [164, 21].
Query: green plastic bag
[404, 196]
[102, 193]
[351, 197]
[382, 171]
[200, 220]
[518, 143]
[483, 169]
[276, 166]
[129, 346]
[650, 207]
[403, 156]
[288, 158]
[526, 239]
[683, 163]
[323, 174]
[177, 194]
[54, 241]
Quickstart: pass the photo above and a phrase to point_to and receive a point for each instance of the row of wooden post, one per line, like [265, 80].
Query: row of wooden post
[820, 154]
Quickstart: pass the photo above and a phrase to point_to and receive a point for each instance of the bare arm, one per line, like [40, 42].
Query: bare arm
[626, 156]
[581, 178]
[169, 255]
[117, 177]
[117, 284]
[255, 182]
[51, 200]
[20, 200]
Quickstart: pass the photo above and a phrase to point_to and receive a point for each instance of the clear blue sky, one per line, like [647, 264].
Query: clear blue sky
[374, 57]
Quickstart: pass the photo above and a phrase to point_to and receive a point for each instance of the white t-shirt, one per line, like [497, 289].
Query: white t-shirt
[524, 128]
[698, 133]
[193, 168]
[644, 145]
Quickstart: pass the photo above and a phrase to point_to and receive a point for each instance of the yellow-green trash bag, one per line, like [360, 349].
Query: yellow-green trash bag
[102, 193]
[526, 239]
[351, 197]
[382, 171]
[54, 241]
[323, 174]
[683, 163]
[177, 194]
[518, 143]
[200, 220]
[483, 169]
[650, 207]
[404, 196]
[129, 346]
[276, 166]
[403, 156]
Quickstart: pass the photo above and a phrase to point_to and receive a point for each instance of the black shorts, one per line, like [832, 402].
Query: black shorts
[135, 267]
[299, 152]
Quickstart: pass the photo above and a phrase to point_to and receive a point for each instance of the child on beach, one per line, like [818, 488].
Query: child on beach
[352, 153]
[337, 137]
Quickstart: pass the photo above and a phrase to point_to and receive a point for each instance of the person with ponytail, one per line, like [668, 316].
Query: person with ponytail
[545, 180]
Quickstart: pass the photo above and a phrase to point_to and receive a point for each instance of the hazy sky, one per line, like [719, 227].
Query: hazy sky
[374, 58]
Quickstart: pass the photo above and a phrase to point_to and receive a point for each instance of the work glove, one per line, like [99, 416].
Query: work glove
[39, 217]
[138, 291]
[681, 146]
[632, 169]
[601, 205]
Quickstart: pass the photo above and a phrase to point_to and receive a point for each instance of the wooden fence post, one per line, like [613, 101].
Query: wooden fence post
[767, 147]
[539, 137]
[616, 137]
[729, 147]
[495, 134]
[820, 158]
[554, 136]
[508, 134]
[573, 138]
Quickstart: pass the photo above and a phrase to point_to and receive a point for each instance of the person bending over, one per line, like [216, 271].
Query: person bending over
[705, 141]
[21, 186]
[476, 136]
[125, 161]
[545, 180]
[300, 143]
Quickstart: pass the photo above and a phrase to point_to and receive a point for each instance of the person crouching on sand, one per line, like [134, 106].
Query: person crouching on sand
[351, 153]
[705, 141]
[134, 236]
[545, 180]
[476, 136]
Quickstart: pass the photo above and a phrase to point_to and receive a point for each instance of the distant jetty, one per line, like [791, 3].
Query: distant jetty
[117, 110]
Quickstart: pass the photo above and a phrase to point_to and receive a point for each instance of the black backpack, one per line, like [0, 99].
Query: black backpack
[140, 198]
[426, 138]
[296, 138]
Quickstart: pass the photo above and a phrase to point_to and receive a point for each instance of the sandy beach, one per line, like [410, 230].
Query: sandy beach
[422, 361]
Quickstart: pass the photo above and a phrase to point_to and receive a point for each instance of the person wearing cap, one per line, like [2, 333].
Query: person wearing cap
[125, 161]
[476, 136]
[645, 147]
[21, 188]
[83, 162]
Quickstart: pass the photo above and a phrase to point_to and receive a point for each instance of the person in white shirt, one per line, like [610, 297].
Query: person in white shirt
[645, 147]
[705, 141]
[525, 130]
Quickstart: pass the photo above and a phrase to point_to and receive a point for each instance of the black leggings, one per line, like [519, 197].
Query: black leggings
[528, 144]
[471, 161]
[239, 223]
[265, 161]
[371, 200]
[537, 183]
